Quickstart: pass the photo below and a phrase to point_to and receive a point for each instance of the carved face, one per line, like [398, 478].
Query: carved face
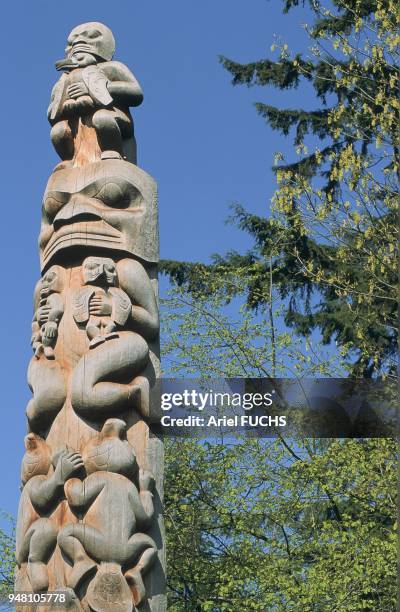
[99, 269]
[112, 206]
[91, 38]
[37, 459]
[110, 451]
[51, 281]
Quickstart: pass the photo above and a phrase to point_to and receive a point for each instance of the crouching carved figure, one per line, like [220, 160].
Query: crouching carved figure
[96, 90]
[110, 538]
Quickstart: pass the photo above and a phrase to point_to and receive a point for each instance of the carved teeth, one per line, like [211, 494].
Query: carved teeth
[85, 233]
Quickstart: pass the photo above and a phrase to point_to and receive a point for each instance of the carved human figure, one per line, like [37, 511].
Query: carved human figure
[96, 89]
[101, 305]
[110, 532]
[116, 303]
[42, 492]
[48, 313]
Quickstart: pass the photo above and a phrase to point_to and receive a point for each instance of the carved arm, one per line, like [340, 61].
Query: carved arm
[135, 282]
[123, 86]
[47, 492]
[81, 494]
[143, 503]
[57, 308]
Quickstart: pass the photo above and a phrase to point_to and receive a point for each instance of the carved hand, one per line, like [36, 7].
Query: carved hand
[43, 314]
[146, 480]
[68, 463]
[100, 305]
[76, 90]
[50, 330]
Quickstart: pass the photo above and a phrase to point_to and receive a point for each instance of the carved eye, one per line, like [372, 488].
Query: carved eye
[93, 34]
[113, 195]
[92, 266]
[49, 277]
[54, 201]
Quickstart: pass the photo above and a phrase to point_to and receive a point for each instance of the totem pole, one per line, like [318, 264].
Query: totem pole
[90, 515]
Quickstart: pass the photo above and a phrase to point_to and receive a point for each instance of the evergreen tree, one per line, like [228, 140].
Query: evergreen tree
[331, 238]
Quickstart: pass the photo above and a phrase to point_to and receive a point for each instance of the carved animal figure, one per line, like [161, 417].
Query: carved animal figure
[42, 492]
[48, 313]
[95, 88]
[109, 533]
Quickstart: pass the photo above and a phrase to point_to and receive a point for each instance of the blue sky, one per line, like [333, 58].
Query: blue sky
[198, 136]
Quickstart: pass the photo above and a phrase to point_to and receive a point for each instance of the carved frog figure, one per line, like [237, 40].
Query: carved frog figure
[110, 534]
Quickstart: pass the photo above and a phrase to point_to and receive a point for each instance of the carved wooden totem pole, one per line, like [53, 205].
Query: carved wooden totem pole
[90, 522]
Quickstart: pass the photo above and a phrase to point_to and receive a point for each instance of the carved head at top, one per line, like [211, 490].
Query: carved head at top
[110, 451]
[99, 270]
[90, 42]
[37, 458]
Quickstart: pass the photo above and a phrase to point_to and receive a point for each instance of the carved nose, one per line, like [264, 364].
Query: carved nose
[79, 40]
[74, 212]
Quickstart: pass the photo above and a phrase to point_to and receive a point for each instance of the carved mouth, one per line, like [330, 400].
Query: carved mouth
[80, 48]
[87, 231]
[84, 216]
[75, 212]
